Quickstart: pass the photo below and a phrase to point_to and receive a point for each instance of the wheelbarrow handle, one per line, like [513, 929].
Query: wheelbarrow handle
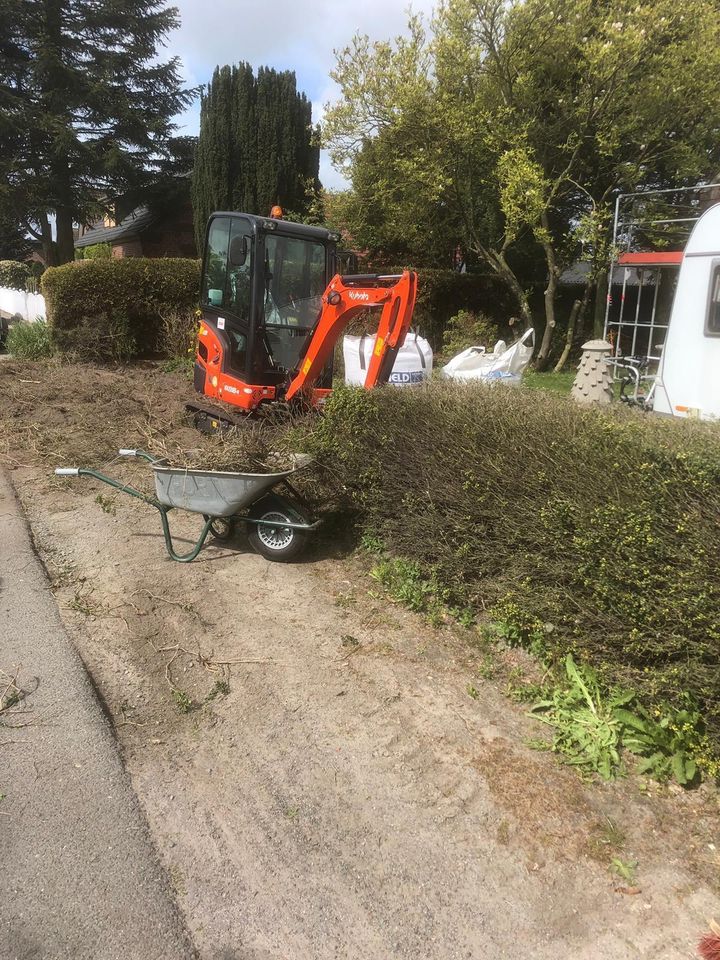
[67, 471]
[141, 454]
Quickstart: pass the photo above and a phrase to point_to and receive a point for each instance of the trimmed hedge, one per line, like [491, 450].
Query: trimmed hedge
[444, 293]
[114, 309]
[582, 531]
[14, 274]
[96, 251]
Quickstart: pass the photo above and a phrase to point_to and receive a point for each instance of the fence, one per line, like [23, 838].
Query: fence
[29, 306]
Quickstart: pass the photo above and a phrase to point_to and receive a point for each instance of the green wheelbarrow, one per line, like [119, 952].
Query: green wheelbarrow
[278, 526]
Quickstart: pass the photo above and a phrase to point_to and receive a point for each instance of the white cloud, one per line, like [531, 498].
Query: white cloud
[285, 34]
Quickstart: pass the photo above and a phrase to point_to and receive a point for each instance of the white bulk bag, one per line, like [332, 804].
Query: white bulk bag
[413, 363]
[504, 363]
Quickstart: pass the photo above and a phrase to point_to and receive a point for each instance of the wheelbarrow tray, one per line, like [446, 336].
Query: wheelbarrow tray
[214, 493]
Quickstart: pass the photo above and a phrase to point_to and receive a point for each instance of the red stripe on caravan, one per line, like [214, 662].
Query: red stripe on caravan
[655, 258]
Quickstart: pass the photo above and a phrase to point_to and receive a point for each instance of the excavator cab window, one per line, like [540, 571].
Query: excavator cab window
[261, 295]
[295, 280]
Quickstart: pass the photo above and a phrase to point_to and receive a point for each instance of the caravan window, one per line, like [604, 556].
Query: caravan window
[712, 321]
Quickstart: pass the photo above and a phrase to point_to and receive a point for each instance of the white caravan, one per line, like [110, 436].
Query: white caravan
[688, 382]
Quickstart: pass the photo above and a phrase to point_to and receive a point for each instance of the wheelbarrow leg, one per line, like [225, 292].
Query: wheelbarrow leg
[184, 557]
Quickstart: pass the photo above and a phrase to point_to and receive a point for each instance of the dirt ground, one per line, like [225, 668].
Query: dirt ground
[326, 775]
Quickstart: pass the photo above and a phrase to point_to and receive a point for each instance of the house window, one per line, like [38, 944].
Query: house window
[712, 320]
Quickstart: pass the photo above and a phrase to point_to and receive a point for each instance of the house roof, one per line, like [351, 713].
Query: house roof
[137, 221]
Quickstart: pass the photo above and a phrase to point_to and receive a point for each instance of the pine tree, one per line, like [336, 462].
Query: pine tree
[90, 109]
[257, 146]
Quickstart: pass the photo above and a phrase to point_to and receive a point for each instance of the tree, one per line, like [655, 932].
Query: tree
[87, 109]
[257, 146]
[528, 116]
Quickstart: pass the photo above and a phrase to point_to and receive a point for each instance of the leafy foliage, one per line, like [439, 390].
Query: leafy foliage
[30, 341]
[96, 251]
[14, 274]
[257, 145]
[114, 309]
[593, 726]
[87, 110]
[594, 537]
[510, 125]
[468, 329]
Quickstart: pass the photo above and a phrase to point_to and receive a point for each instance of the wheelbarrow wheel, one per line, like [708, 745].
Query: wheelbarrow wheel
[275, 543]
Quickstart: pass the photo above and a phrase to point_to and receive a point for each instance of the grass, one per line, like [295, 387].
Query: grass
[559, 383]
[30, 341]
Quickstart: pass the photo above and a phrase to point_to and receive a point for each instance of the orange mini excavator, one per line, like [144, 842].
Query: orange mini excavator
[273, 305]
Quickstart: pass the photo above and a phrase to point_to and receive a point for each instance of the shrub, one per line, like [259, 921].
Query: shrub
[443, 293]
[96, 251]
[30, 341]
[14, 274]
[179, 330]
[468, 329]
[592, 533]
[113, 309]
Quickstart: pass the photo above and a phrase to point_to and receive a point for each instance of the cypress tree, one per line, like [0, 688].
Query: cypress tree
[90, 109]
[265, 152]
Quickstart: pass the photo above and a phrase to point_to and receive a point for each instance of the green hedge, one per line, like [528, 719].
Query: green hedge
[14, 274]
[584, 532]
[96, 251]
[443, 293]
[114, 309]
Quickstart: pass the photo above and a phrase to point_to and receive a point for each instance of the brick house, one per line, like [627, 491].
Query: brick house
[144, 233]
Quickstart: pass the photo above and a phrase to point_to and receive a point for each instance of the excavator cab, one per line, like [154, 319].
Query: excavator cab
[272, 307]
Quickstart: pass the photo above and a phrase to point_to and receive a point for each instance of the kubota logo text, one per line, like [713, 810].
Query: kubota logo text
[354, 295]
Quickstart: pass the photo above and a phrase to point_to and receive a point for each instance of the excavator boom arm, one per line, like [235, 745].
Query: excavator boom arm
[345, 298]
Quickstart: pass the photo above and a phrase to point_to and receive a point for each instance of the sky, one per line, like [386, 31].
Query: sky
[287, 35]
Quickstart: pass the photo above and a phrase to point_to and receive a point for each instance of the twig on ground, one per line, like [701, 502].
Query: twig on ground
[207, 661]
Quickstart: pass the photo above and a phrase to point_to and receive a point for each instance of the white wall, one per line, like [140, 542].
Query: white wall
[30, 306]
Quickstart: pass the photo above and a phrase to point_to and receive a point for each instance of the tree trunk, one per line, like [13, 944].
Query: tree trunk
[568, 336]
[550, 291]
[497, 262]
[65, 235]
[49, 247]
[576, 324]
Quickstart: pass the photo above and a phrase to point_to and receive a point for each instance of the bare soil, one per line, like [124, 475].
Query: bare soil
[325, 774]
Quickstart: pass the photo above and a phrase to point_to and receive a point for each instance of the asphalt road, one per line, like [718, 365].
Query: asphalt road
[79, 876]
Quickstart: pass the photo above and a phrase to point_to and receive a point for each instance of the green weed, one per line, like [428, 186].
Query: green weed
[183, 702]
[82, 603]
[625, 869]
[371, 544]
[30, 341]
[221, 688]
[593, 725]
[486, 670]
[106, 504]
